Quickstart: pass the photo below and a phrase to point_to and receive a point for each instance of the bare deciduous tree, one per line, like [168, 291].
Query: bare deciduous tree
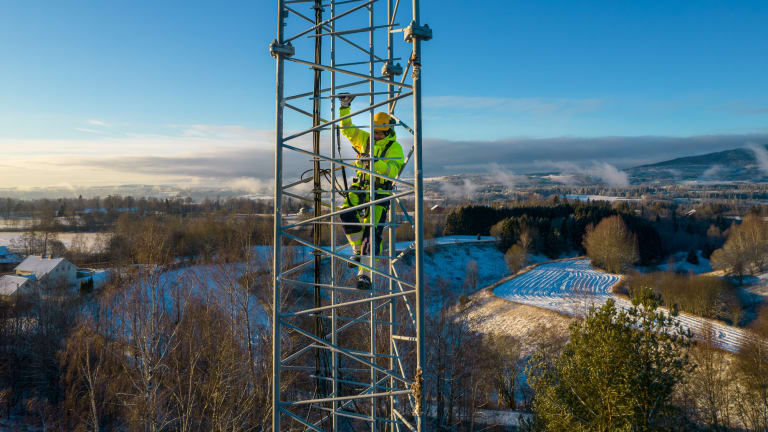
[516, 258]
[611, 245]
[746, 250]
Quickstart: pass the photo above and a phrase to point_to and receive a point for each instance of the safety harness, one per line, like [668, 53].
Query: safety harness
[386, 184]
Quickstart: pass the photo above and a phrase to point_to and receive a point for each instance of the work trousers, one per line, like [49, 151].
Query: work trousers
[358, 235]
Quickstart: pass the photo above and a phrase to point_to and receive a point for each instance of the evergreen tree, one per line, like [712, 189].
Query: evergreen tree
[617, 372]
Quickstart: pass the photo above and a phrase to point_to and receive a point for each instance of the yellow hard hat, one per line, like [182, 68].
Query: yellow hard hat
[381, 122]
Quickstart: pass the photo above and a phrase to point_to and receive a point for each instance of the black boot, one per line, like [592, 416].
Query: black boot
[363, 282]
[353, 258]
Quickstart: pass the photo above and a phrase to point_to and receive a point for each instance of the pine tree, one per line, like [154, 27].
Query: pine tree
[617, 372]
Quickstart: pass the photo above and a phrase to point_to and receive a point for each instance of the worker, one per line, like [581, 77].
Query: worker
[385, 146]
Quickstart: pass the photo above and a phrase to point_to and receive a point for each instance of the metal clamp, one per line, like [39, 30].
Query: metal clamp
[390, 69]
[414, 31]
[278, 49]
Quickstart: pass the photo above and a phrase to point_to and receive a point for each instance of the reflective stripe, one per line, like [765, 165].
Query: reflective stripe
[355, 239]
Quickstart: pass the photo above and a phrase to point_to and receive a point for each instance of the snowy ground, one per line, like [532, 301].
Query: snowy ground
[758, 284]
[450, 264]
[493, 417]
[571, 286]
[490, 314]
[91, 239]
[678, 264]
[586, 198]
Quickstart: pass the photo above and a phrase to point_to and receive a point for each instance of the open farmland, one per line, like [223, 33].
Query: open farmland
[91, 240]
[572, 286]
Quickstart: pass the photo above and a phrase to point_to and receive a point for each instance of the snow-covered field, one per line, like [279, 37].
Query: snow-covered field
[562, 286]
[16, 223]
[599, 198]
[91, 239]
[572, 286]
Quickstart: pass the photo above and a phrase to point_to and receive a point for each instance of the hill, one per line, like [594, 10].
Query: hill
[737, 165]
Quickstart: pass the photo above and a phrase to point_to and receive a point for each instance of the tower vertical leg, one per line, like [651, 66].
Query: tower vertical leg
[320, 385]
[419, 214]
[334, 273]
[374, 247]
[277, 221]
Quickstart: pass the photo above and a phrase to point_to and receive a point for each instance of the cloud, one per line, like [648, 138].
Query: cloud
[64, 185]
[221, 153]
[609, 174]
[219, 131]
[516, 105]
[761, 156]
[88, 130]
[231, 164]
[225, 153]
[568, 179]
[100, 123]
[758, 110]
[443, 157]
[712, 172]
[249, 184]
[569, 172]
[466, 189]
[504, 176]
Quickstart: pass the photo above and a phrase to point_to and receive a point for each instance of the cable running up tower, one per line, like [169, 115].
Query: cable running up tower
[348, 352]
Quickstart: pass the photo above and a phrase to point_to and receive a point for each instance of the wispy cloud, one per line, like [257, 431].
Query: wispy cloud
[515, 105]
[99, 123]
[87, 130]
[744, 106]
[712, 172]
[218, 131]
[758, 110]
[466, 189]
[569, 172]
[504, 176]
[761, 156]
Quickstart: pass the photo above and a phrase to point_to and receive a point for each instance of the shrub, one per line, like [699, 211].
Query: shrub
[706, 296]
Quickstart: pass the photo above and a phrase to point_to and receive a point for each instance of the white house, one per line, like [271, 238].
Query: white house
[11, 285]
[49, 272]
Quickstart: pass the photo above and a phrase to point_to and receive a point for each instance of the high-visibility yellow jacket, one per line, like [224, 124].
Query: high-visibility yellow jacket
[360, 140]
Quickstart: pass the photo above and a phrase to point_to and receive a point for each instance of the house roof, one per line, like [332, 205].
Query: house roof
[10, 283]
[7, 256]
[37, 265]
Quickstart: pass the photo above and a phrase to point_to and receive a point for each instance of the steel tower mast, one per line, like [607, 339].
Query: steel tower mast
[343, 358]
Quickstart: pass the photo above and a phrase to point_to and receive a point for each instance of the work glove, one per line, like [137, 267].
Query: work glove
[346, 99]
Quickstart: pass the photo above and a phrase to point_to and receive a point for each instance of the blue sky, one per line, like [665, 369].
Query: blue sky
[108, 82]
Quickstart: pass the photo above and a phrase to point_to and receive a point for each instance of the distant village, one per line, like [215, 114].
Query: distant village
[35, 272]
